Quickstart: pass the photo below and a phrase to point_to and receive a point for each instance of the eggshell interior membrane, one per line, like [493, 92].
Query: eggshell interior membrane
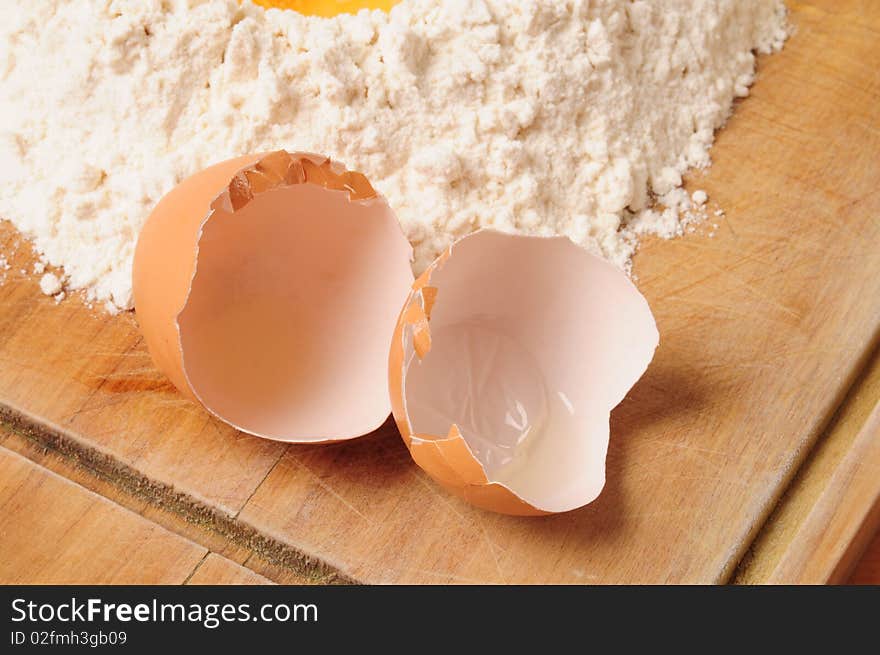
[515, 351]
[299, 274]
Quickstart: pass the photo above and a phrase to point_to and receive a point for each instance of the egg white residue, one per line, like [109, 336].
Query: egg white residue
[542, 117]
[489, 386]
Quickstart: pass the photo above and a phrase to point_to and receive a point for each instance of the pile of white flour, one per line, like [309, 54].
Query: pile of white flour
[544, 117]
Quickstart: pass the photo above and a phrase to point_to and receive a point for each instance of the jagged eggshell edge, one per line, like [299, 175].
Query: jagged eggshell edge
[448, 459]
[172, 234]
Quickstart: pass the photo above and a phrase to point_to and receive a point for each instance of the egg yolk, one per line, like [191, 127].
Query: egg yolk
[328, 8]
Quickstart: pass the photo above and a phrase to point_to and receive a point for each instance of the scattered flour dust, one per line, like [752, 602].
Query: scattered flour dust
[573, 117]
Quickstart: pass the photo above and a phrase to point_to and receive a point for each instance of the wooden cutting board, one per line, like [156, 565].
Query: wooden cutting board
[763, 327]
[49, 530]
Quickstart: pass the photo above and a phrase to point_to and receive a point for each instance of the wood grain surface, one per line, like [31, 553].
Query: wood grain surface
[843, 521]
[263, 558]
[867, 571]
[217, 570]
[763, 327]
[818, 484]
[55, 532]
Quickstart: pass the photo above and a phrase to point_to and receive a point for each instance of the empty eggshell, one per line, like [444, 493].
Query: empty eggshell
[506, 362]
[267, 288]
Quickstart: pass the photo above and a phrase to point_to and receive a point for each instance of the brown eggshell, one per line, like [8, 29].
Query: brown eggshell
[506, 362]
[267, 288]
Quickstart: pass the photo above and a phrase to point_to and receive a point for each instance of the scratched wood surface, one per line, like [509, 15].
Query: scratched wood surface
[232, 559]
[842, 522]
[835, 489]
[217, 570]
[56, 532]
[762, 330]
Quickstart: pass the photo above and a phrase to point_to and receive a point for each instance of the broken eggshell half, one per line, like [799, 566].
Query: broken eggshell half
[267, 288]
[508, 357]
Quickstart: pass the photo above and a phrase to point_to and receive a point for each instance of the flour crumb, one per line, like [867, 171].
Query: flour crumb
[39, 268]
[50, 284]
[537, 117]
[700, 197]
[4, 265]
